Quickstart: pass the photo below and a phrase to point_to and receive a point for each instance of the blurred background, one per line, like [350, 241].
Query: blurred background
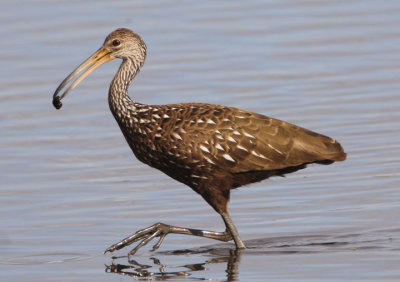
[70, 186]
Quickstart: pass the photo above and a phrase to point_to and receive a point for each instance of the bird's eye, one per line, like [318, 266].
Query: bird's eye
[116, 42]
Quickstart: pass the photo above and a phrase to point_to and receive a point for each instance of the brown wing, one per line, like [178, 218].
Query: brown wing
[240, 141]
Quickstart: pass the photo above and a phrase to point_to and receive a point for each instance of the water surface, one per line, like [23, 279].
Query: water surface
[70, 186]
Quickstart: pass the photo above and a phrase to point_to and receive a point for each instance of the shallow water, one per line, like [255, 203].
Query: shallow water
[70, 186]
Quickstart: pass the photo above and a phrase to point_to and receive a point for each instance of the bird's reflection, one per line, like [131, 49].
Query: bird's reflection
[134, 268]
[160, 267]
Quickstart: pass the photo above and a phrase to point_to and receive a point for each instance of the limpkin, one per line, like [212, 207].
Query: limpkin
[210, 148]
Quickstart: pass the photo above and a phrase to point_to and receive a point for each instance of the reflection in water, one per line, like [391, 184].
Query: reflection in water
[67, 185]
[262, 247]
[135, 269]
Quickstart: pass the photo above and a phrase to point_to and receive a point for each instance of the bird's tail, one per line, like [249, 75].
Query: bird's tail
[324, 149]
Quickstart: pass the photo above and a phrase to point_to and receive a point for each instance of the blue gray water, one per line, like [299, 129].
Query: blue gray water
[70, 186]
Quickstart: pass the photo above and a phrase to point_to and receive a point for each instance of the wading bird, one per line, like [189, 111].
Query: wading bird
[210, 148]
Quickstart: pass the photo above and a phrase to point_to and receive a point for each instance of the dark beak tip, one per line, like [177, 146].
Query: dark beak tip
[57, 102]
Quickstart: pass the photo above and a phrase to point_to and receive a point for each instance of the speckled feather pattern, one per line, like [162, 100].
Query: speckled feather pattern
[212, 148]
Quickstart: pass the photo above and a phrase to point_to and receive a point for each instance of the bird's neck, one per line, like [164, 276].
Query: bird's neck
[118, 98]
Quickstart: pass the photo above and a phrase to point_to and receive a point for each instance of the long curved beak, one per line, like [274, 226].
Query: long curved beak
[100, 57]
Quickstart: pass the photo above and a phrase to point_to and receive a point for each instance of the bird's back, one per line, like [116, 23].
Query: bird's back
[193, 142]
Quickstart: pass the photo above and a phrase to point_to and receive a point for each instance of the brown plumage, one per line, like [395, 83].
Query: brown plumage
[210, 148]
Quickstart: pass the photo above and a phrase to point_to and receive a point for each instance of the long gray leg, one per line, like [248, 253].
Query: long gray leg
[233, 231]
[161, 230]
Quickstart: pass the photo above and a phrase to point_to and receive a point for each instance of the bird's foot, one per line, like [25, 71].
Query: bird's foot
[145, 235]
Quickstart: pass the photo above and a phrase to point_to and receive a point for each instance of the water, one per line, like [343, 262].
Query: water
[70, 187]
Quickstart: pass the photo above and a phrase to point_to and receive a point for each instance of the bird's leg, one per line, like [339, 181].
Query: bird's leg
[230, 227]
[161, 230]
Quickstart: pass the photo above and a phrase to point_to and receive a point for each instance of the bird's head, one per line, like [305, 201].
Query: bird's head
[122, 43]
